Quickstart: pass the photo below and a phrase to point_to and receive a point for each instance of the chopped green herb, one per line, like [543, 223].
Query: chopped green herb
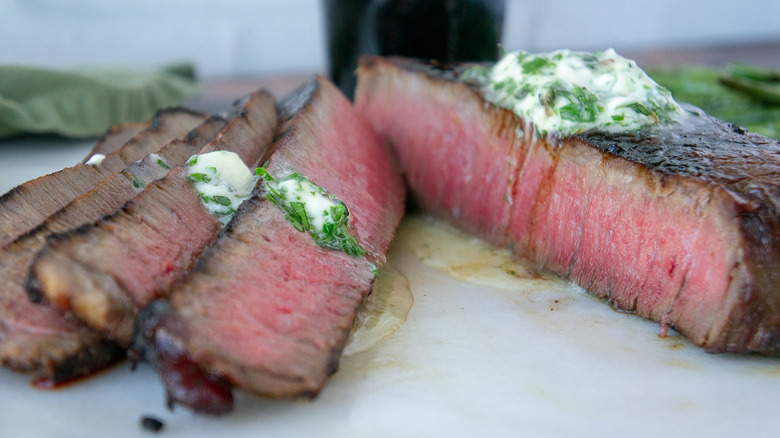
[535, 65]
[137, 183]
[224, 200]
[162, 163]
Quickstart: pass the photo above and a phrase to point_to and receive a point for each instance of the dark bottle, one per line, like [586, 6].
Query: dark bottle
[444, 30]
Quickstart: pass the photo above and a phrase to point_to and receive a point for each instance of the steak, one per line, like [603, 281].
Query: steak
[37, 338]
[266, 309]
[28, 205]
[115, 137]
[104, 273]
[680, 226]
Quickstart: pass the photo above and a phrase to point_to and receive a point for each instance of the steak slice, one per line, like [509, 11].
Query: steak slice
[115, 137]
[266, 309]
[681, 226]
[37, 338]
[116, 190]
[26, 206]
[104, 273]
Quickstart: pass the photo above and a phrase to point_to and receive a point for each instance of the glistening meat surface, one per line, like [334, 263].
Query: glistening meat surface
[266, 309]
[681, 226]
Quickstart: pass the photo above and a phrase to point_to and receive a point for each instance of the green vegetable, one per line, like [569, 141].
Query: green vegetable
[739, 94]
[162, 163]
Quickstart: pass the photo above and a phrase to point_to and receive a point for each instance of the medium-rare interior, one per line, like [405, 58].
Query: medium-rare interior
[104, 273]
[268, 307]
[678, 222]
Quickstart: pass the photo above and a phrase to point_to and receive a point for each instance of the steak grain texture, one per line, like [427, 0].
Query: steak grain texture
[104, 273]
[680, 225]
[266, 309]
[38, 339]
[26, 206]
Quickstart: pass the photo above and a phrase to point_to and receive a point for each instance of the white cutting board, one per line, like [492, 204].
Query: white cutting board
[520, 358]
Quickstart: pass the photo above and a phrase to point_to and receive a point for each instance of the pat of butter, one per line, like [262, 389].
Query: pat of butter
[95, 160]
[222, 180]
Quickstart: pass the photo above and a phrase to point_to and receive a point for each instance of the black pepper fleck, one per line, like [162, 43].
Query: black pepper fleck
[152, 424]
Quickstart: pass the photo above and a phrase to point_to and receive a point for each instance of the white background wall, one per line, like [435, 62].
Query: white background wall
[232, 38]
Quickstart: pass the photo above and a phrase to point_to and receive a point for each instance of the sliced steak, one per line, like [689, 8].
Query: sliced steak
[116, 190]
[266, 309]
[105, 273]
[681, 226]
[115, 137]
[39, 339]
[28, 205]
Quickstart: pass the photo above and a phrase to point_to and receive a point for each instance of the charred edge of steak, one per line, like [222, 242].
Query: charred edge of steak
[193, 136]
[186, 383]
[157, 121]
[87, 361]
[115, 137]
[291, 106]
[294, 103]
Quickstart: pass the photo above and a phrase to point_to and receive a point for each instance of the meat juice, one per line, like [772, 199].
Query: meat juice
[444, 30]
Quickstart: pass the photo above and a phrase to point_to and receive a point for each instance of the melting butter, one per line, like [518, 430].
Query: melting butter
[463, 257]
[95, 160]
[382, 312]
[222, 180]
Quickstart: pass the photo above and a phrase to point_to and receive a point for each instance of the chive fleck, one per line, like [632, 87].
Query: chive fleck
[198, 177]
[223, 200]
[137, 183]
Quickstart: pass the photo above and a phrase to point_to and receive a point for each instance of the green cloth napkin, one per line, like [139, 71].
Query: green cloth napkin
[85, 102]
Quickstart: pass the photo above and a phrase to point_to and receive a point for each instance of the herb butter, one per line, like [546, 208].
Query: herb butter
[569, 92]
[222, 180]
[311, 209]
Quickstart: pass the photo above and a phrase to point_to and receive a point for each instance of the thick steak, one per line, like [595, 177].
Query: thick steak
[26, 206]
[38, 338]
[266, 309]
[104, 273]
[682, 226]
